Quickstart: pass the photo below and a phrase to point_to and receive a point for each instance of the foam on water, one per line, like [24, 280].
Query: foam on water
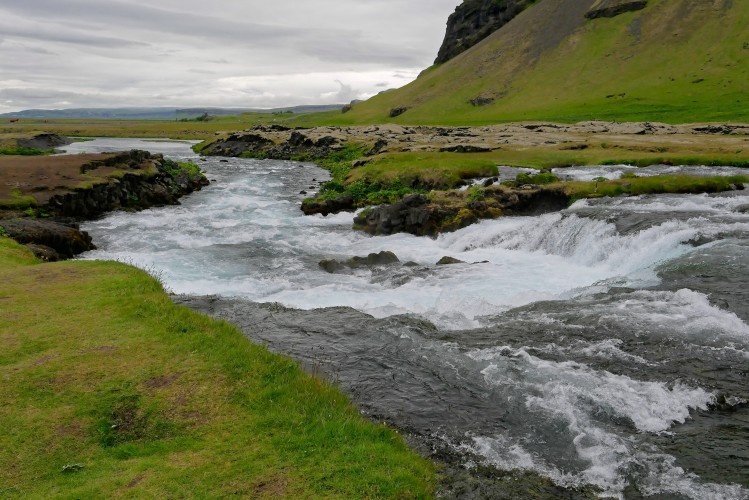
[613, 172]
[584, 401]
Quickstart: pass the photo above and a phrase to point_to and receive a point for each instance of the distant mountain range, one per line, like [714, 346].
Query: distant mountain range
[159, 113]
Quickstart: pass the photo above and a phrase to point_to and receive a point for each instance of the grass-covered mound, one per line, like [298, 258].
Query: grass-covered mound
[677, 61]
[109, 389]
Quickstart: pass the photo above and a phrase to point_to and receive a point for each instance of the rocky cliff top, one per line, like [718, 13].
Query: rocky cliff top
[475, 20]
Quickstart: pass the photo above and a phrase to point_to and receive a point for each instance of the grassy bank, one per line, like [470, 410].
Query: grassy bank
[387, 177]
[109, 389]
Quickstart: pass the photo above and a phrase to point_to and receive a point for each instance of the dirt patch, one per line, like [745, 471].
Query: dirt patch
[275, 486]
[161, 382]
[45, 360]
[75, 430]
[38, 176]
[136, 481]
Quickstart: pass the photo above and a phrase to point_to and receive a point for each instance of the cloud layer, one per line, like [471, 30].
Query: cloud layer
[89, 53]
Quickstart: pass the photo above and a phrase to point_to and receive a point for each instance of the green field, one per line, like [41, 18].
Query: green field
[197, 130]
[110, 390]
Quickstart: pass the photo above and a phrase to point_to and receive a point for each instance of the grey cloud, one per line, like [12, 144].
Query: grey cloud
[50, 35]
[130, 52]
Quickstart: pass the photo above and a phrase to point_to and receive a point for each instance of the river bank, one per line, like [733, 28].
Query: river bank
[412, 175]
[44, 198]
[109, 389]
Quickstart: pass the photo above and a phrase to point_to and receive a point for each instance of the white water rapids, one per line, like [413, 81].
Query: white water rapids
[244, 236]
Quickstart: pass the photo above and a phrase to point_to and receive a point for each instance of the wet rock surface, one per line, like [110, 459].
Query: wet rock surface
[418, 215]
[384, 258]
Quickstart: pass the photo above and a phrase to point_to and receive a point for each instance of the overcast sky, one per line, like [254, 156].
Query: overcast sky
[230, 53]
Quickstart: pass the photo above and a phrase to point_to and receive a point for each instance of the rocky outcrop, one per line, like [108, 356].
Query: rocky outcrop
[44, 142]
[49, 240]
[475, 20]
[417, 215]
[613, 8]
[132, 191]
[343, 203]
[275, 143]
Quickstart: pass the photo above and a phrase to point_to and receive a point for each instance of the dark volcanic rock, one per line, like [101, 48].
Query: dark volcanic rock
[237, 144]
[475, 20]
[465, 148]
[44, 142]
[131, 191]
[253, 143]
[415, 214]
[44, 253]
[396, 112]
[448, 261]
[343, 203]
[612, 8]
[64, 240]
[481, 100]
[410, 215]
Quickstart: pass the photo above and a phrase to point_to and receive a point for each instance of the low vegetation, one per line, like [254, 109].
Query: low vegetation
[109, 390]
[19, 151]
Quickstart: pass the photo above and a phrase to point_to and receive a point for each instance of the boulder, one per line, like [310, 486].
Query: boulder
[66, 241]
[396, 112]
[384, 258]
[448, 261]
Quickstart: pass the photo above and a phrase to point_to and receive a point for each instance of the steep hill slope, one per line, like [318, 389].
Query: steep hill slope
[673, 61]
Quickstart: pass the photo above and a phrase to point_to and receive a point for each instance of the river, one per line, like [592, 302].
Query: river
[604, 345]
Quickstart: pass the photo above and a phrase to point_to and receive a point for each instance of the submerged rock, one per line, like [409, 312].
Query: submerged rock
[383, 258]
[448, 261]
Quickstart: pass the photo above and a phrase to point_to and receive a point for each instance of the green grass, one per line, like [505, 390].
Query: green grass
[109, 389]
[191, 169]
[425, 170]
[19, 151]
[17, 201]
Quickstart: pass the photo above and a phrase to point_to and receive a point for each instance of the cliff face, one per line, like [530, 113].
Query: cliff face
[475, 20]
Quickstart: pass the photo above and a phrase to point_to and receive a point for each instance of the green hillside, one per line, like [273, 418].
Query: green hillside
[676, 61]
